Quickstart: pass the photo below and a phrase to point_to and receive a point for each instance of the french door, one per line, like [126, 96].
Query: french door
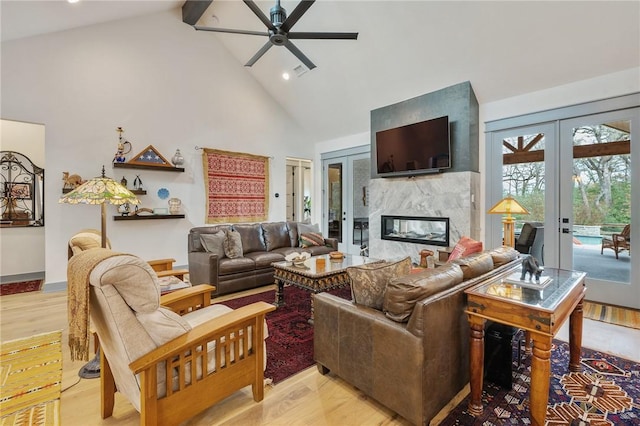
[573, 174]
[598, 155]
[345, 201]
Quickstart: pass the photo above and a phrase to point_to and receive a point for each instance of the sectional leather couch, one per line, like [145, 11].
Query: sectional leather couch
[415, 363]
[262, 244]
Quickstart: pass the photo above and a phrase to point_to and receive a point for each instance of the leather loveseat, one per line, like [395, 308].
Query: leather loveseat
[418, 361]
[262, 244]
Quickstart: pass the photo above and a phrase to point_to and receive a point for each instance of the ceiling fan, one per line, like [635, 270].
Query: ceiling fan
[279, 27]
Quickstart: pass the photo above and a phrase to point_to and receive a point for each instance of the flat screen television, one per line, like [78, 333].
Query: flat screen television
[414, 149]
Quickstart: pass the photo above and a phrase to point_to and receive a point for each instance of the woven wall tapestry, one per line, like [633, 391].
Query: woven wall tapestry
[237, 186]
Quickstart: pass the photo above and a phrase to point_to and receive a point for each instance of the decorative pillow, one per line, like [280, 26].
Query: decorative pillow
[465, 247]
[403, 293]
[304, 228]
[233, 244]
[214, 243]
[310, 239]
[369, 282]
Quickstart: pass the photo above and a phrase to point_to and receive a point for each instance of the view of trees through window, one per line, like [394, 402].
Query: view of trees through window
[601, 175]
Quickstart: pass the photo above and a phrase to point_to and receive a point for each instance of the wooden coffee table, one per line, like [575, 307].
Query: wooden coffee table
[540, 312]
[314, 278]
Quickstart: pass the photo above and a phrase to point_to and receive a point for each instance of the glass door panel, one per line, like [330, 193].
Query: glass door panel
[360, 168]
[335, 214]
[600, 189]
[523, 177]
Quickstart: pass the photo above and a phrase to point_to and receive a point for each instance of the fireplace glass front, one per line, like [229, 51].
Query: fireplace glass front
[414, 229]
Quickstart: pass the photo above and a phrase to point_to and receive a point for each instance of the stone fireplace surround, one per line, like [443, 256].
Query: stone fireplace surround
[453, 193]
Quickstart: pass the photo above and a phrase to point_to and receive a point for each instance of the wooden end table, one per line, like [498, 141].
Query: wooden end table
[314, 278]
[538, 311]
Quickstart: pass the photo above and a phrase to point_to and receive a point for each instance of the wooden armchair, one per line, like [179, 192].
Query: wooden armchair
[171, 361]
[618, 242]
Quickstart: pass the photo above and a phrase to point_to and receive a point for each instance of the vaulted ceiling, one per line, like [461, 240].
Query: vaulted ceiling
[404, 48]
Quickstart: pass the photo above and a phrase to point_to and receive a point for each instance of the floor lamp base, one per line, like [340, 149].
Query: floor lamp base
[91, 370]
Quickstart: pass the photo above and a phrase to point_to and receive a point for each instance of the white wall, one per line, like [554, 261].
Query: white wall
[23, 248]
[167, 86]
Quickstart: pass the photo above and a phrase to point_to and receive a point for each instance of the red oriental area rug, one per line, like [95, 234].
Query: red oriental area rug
[20, 287]
[290, 341]
[237, 186]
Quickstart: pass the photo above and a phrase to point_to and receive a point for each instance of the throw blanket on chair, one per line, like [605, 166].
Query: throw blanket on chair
[78, 299]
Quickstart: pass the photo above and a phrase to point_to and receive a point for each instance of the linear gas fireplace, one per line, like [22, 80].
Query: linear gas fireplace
[414, 229]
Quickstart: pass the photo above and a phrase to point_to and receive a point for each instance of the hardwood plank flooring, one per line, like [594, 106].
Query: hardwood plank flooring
[308, 398]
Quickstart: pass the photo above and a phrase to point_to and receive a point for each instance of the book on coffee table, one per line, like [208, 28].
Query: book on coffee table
[529, 282]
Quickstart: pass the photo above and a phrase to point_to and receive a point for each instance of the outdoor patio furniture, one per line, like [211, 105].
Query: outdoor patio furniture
[618, 242]
[531, 240]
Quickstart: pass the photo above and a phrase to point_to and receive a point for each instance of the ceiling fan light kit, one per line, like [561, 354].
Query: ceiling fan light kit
[278, 30]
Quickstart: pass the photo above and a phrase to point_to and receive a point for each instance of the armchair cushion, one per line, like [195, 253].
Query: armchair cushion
[233, 244]
[403, 292]
[369, 282]
[214, 243]
[126, 273]
[163, 325]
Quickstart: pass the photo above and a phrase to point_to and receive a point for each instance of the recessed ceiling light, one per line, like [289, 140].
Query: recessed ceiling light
[285, 75]
[73, 1]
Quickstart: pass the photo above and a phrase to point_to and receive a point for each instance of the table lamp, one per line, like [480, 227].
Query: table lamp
[507, 206]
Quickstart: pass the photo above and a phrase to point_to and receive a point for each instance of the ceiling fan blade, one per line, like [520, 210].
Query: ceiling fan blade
[293, 49]
[316, 35]
[297, 13]
[259, 54]
[229, 30]
[256, 10]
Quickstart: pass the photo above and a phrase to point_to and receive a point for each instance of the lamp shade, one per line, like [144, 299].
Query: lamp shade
[101, 189]
[508, 205]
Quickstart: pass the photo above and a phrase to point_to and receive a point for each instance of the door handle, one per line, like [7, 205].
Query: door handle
[566, 231]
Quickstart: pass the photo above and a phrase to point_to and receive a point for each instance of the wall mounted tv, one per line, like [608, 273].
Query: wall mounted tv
[414, 149]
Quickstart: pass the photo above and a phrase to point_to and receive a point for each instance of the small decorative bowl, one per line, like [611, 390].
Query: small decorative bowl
[336, 255]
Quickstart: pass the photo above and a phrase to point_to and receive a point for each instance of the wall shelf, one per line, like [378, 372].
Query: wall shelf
[147, 167]
[150, 216]
[135, 191]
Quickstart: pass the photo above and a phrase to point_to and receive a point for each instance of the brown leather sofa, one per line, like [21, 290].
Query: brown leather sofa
[414, 367]
[262, 244]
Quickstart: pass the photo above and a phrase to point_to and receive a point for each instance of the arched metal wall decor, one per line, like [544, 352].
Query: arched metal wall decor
[22, 190]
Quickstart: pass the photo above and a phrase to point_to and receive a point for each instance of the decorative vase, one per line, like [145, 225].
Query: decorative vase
[177, 159]
[174, 205]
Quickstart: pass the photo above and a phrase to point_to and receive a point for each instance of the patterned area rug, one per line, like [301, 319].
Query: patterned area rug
[290, 341]
[606, 392]
[612, 314]
[31, 380]
[20, 287]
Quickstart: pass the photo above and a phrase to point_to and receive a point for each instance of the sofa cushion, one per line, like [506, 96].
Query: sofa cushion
[465, 247]
[228, 266]
[276, 235]
[402, 293]
[306, 227]
[475, 265]
[264, 259]
[233, 244]
[503, 255]
[317, 250]
[368, 282]
[214, 243]
[309, 239]
[252, 238]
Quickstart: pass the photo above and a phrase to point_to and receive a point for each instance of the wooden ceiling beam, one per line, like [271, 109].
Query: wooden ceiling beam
[192, 10]
[580, 151]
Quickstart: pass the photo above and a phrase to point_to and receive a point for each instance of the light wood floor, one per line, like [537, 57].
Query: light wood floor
[307, 398]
